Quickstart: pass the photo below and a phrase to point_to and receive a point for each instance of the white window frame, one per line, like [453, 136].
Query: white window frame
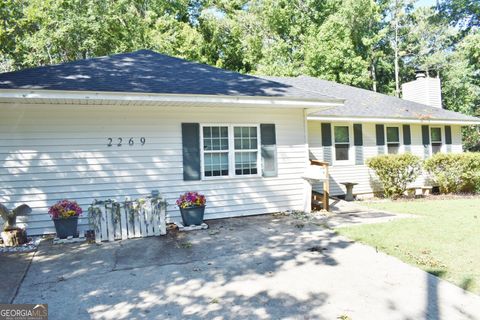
[442, 140]
[400, 138]
[231, 152]
[351, 151]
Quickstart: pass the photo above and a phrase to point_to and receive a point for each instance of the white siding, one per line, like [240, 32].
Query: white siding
[48, 153]
[366, 179]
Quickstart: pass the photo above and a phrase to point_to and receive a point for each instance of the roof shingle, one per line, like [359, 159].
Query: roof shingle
[146, 71]
[365, 103]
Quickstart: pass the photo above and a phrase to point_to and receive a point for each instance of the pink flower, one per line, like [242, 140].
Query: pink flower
[191, 199]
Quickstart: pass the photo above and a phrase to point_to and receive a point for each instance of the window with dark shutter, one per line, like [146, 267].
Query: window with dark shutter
[436, 139]
[393, 140]
[342, 142]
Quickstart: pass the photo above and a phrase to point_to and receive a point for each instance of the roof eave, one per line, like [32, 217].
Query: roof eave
[465, 122]
[90, 97]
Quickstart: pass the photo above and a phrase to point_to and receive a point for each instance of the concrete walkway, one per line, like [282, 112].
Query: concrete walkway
[13, 267]
[268, 267]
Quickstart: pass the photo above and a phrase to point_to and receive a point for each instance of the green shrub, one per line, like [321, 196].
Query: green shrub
[455, 172]
[395, 171]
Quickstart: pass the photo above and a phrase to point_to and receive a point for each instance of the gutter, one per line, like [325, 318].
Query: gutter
[395, 120]
[91, 97]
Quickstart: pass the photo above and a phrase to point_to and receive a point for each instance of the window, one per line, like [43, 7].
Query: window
[246, 150]
[436, 139]
[393, 139]
[230, 150]
[215, 148]
[342, 142]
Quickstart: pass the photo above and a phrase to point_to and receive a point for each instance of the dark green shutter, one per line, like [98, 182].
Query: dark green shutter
[379, 128]
[327, 142]
[357, 134]
[269, 150]
[448, 135]
[380, 133]
[358, 142]
[326, 134]
[407, 136]
[426, 141]
[191, 151]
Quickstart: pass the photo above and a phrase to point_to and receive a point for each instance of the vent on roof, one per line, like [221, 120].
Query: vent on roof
[423, 90]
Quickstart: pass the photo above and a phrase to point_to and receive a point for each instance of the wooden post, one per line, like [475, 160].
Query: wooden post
[326, 182]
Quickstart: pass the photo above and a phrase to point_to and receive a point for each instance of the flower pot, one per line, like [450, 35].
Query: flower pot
[192, 215]
[66, 227]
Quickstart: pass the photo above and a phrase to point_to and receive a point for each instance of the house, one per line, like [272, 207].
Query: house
[370, 123]
[124, 125]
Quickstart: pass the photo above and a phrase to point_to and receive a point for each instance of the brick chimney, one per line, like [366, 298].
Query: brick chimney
[423, 90]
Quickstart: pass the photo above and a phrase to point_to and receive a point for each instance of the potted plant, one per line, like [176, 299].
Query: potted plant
[192, 208]
[12, 235]
[65, 214]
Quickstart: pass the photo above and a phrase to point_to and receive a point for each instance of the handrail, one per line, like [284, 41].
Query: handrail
[326, 182]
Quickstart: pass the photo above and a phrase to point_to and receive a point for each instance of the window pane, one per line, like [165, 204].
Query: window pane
[245, 163]
[341, 152]
[245, 138]
[224, 132]
[436, 147]
[393, 134]
[207, 132]
[215, 138]
[224, 144]
[341, 134]
[215, 144]
[436, 134]
[393, 148]
[237, 132]
[216, 164]
[253, 142]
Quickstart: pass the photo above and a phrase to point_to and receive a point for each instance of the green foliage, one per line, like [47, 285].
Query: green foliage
[395, 171]
[471, 138]
[455, 172]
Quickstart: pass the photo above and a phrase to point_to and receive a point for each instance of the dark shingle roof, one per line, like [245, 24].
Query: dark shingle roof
[365, 103]
[146, 71]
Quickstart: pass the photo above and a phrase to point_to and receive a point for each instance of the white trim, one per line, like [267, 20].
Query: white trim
[57, 95]
[392, 120]
[231, 152]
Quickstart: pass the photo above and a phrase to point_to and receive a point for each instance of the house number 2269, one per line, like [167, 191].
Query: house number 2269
[119, 141]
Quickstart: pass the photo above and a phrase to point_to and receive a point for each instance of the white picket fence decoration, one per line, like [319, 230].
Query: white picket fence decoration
[139, 218]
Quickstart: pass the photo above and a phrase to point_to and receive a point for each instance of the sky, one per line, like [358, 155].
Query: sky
[426, 3]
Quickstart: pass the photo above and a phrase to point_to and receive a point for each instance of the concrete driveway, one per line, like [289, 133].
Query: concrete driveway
[268, 267]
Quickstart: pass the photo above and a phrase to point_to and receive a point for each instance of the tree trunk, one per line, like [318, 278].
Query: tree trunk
[397, 81]
[14, 237]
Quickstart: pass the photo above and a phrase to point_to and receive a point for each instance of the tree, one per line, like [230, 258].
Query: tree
[463, 14]
[398, 11]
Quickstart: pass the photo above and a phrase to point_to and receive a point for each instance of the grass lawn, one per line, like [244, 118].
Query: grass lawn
[444, 239]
